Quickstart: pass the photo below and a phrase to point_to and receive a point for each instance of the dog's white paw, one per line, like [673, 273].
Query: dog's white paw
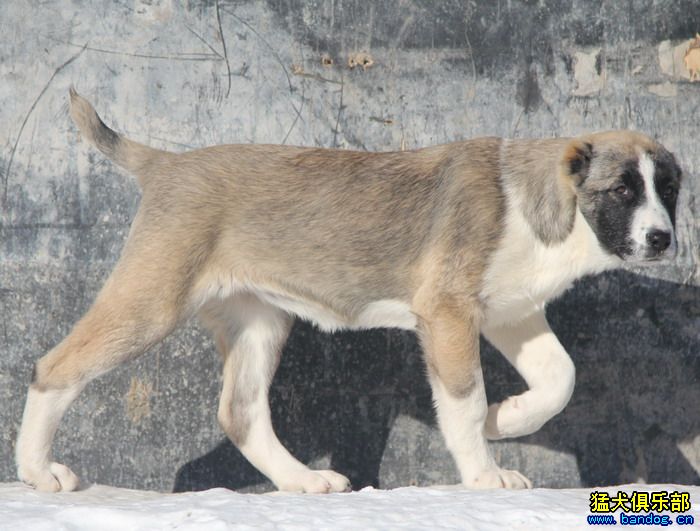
[499, 478]
[339, 483]
[315, 482]
[55, 478]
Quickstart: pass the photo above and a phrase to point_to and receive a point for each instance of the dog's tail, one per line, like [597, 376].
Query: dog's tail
[128, 154]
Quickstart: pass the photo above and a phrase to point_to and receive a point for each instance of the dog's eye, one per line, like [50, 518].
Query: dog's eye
[623, 191]
[669, 192]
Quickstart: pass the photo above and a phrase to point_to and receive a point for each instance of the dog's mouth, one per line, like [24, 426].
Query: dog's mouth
[647, 255]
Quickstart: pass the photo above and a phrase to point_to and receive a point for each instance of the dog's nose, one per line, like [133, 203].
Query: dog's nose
[659, 240]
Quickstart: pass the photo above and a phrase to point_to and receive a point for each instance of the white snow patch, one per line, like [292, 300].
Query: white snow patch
[107, 508]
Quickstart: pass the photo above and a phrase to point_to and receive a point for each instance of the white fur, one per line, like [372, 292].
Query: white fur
[535, 352]
[264, 451]
[378, 314]
[524, 273]
[249, 368]
[42, 414]
[385, 313]
[651, 214]
[461, 421]
[322, 317]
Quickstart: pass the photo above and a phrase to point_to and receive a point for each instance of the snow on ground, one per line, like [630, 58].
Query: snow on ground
[110, 508]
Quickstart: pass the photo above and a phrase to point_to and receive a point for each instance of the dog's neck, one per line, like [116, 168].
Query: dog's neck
[532, 180]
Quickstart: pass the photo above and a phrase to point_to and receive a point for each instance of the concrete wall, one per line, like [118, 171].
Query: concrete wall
[278, 71]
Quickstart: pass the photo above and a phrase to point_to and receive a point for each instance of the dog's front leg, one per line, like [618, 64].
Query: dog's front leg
[450, 337]
[535, 352]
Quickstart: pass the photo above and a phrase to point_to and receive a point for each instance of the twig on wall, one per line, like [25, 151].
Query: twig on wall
[298, 115]
[184, 56]
[267, 45]
[223, 44]
[205, 42]
[26, 118]
[340, 110]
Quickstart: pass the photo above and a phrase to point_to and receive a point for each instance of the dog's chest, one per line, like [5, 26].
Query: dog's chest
[524, 273]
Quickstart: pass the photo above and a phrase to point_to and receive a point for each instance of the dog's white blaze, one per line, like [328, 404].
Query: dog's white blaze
[651, 214]
[524, 273]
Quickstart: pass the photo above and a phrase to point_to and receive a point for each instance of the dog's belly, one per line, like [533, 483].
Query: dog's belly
[378, 314]
[385, 313]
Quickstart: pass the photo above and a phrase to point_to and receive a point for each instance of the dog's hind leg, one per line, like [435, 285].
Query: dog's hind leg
[138, 306]
[250, 335]
[450, 337]
[535, 352]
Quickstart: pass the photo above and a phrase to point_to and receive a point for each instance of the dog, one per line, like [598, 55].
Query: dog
[452, 241]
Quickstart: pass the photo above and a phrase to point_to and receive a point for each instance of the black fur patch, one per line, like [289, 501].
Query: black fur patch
[610, 213]
[615, 213]
[667, 180]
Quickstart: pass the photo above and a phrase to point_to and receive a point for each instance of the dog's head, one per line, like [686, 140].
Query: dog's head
[626, 186]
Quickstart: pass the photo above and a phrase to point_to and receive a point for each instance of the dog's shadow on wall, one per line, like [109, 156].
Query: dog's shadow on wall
[634, 341]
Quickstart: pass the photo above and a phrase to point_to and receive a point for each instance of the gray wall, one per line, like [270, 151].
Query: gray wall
[183, 77]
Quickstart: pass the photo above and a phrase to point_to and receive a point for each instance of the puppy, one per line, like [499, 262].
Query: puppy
[450, 241]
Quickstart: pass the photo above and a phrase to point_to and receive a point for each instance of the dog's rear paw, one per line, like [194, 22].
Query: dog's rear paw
[316, 482]
[55, 478]
[499, 478]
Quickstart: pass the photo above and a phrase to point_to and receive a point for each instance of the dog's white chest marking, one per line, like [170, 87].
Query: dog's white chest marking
[525, 273]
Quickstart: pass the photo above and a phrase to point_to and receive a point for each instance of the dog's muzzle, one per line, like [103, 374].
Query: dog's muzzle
[659, 245]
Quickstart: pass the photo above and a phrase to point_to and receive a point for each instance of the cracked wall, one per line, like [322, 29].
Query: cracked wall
[357, 75]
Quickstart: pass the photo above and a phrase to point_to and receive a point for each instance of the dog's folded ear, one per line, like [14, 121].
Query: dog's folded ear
[576, 160]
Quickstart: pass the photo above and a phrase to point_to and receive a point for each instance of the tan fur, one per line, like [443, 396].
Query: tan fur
[260, 232]
[548, 199]
[449, 335]
[235, 233]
